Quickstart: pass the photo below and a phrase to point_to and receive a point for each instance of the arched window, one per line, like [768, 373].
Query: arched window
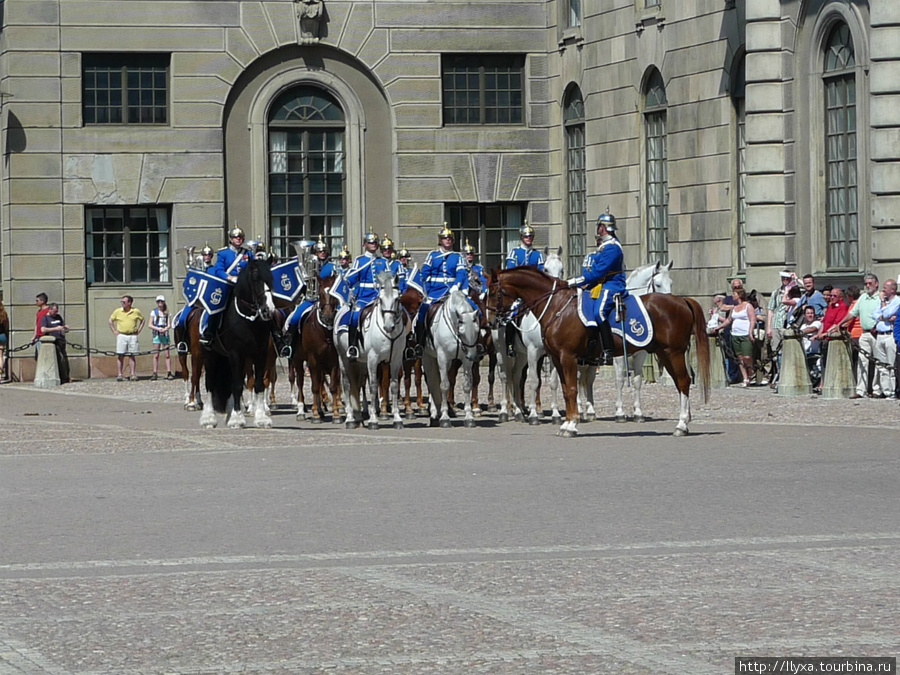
[738, 98]
[657, 183]
[576, 206]
[306, 169]
[841, 179]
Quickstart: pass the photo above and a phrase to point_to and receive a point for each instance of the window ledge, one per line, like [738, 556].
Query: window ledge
[649, 17]
[571, 37]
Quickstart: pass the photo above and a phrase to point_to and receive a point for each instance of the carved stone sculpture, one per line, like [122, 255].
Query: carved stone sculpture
[310, 14]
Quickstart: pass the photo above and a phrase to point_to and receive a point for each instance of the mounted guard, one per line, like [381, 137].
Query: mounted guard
[394, 264]
[313, 259]
[477, 278]
[603, 271]
[444, 270]
[521, 256]
[200, 262]
[359, 289]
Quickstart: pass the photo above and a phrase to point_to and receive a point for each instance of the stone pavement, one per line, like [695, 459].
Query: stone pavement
[133, 542]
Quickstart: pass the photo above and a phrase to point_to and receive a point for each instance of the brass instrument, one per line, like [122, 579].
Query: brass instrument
[192, 261]
[309, 264]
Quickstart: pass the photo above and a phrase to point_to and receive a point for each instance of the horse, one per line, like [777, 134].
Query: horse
[650, 278]
[383, 329]
[245, 333]
[529, 354]
[412, 369]
[674, 320]
[315, 345]
[189, 335]
[454, 334]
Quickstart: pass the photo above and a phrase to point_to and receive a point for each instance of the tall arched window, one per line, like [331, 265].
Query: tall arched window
[657, 184]
[576, 207]
[306, 169]
[841, 180]
[738, 97]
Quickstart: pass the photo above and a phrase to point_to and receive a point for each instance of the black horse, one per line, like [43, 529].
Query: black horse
[243, 337]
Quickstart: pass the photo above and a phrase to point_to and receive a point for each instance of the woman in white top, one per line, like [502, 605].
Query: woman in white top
[741, 319]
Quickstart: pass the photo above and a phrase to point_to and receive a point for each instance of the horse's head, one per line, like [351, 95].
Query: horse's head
[650, 278]
[553, 263]
[253, 291]
[466, 321]
[662, 281]
[498, 301]
[388, 299]
[328, 304]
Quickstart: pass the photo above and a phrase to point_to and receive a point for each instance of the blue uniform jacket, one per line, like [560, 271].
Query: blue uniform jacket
[230, 262]
[479, 270]
[441, 271]
[327, 270]
[521, 256]
[605, 266]
[361, 278]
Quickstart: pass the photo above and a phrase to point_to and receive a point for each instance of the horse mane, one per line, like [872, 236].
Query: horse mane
[263, 272]
[384, 277]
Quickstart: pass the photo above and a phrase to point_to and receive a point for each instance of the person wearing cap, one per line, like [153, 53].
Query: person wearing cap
[404, 268]
[206, 255]
[444, 270]
[295, 318]
[476, 271]
[159, 327]
[345, 259]
[230, 260]
[387, 251]
[362, 286]
[604, 268]
[522, 255]
[779, 309]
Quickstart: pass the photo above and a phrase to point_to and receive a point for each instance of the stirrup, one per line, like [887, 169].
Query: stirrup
[607, 358]
[286, 352]
[409, 353]
[352, 352]
[205, 338]
[182, 348]
[420, 351]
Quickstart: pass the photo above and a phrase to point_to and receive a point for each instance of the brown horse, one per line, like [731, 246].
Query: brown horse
[674, 320]
[411, 300]
[315, 346]
[190, 336]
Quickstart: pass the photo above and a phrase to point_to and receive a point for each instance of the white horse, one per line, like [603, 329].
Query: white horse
[529, 352]
[649, 278]
[453, 335]
[383, 330]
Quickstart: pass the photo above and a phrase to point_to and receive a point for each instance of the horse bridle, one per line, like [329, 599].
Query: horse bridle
[255, 307]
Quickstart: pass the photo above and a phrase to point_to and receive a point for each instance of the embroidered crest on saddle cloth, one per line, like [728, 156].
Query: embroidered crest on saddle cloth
[638, 328]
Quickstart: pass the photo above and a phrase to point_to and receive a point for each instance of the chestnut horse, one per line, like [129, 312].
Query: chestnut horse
[315, 346]
[674, 320]
[190, 336]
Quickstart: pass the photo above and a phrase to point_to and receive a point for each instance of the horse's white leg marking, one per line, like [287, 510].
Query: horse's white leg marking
[372, 366]
[554, 394]
[637, 380]
[234, 415]
[685, 416]
[444, 369]
[467, 391]
[261, 419]
[208, 418]
[532, 381]
[620, 385]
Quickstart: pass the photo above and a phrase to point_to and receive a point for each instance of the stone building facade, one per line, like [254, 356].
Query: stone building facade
[732, 137]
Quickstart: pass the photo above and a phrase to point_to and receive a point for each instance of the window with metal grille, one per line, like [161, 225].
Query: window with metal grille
[125, 88]
[483, 88]
[306, 169]
[492, 228]
[841, 180]
[576, 184]
[657, 184]
[127, 244]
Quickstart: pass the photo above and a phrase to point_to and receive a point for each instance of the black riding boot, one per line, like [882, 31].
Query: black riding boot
[283, 342]
[606, 339]
[511, 340]
[420, 338]
[352, 347]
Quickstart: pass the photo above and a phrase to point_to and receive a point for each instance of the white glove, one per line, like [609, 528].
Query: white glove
[572, 282]
[454, 287]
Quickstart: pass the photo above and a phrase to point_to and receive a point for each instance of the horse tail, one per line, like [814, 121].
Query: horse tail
[218, 380]
[702, 340]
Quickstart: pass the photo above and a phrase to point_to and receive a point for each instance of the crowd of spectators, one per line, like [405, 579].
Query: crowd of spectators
[751, 338]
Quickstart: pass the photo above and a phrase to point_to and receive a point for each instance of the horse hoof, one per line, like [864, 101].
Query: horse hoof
[336, 419]
[410, 415]
[556, 419]
[504, 417]
[534, 421]
[445, 424]
[264, 424]
[208, 425]
[590, 417]
[191, 406]
[470, 424]
[568, 433]
[432, 422]
[384, 417]
[639, 419]
[621, 418]
[351, 424]
[372, 426]
[520, 417]
[316, 419]
[680, 432]
[398, 425]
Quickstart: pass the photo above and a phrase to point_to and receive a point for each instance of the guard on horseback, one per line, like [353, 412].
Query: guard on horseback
[394, 265]
[323, 268]
[360, 288]
[603, 271]
[230, 260]
[520, 256]
[477, 278]
[190, 290]
[345, 259]
[404, 258]
[444, 269]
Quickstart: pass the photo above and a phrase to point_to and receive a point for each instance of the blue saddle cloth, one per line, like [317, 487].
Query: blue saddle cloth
[638, 329]
[210, 291]
[289, 280]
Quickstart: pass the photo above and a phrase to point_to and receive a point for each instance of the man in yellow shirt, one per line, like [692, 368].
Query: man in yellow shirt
[126, 323]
